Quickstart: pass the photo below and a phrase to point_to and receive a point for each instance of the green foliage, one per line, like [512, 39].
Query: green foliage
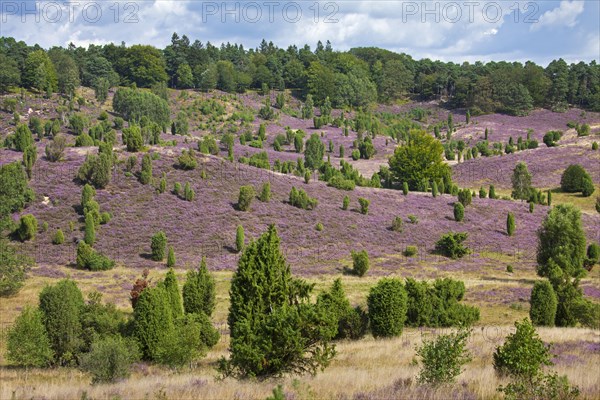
[587, 188]
[451, 245]
[171, 260]
[172, 288]
[158, 244]
[593, 255]
[245, 197]
[29, 159]
[146, 173]
[61, 305]
[438, 304]
[459, 212]
[23, 138]
[521, 182]
[364, 205]
[345, 203]
[274, 328]
[88, 258]
[84, 140]
[299, 198]
[420, 158]
[55, 149]
[360, 262]
[12, 269]
[28, 226]
[96, 170]
[542, 386]
[405, 188]
[188, 192]
[90, 230]
[199, 291]
[59, 237]
[572, 179]
[561, 246]
[133, 104]
[181, 124]
[442, 358]
[346, 322]
[543, 304]
[397, 224]
[265, 193]
[387, 302]
[523, 353]
[27, 340]
[410, 251]
[551, 137]
[239, 238]
[110, 359]
[595, 146]
[465, 197]
[314, 152]
[132, 138]
[510, 224]
[152, 321]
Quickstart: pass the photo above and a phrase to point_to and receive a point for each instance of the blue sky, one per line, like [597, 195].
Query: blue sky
[448, 30]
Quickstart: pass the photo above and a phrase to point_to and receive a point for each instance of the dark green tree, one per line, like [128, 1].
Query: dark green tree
[521, 182]
[274, 328]
[314, 152]
[387, 303]
[27, 341]
[543, 304]
[172, 288]
[199, 291]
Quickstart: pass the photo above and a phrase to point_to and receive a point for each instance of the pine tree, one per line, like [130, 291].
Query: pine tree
[27, 342]
[171, 258]
[239, 238]
[510, 224]
[172, 289]
[90, 230]
[274, 327]
[199, 291]
[61, 305]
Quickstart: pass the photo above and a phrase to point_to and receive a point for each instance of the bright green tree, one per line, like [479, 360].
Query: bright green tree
[387, 303]
[199, 291]
[27, 342]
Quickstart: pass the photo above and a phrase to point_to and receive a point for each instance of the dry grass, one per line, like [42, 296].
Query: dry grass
[364, 366]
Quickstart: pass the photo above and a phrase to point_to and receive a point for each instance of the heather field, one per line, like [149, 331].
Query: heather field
[206, 227]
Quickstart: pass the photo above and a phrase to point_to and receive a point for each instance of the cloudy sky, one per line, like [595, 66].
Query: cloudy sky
[457, 31]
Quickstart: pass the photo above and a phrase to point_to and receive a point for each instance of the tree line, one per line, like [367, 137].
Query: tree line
[351, 78]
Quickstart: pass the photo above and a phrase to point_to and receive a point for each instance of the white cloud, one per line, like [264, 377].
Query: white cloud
[564, 15]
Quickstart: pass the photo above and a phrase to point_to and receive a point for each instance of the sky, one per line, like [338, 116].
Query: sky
[510, 30]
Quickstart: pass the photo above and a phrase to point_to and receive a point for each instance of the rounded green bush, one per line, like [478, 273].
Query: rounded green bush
[543, 304]
[459, 212]
[59, 237]
[360, 262]
[28, 226]
[572, 179]
[387, 302]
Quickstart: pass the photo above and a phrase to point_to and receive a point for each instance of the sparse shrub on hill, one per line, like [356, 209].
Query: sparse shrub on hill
[595, 146]
[572, 179]
[410, 251]
[88, 258]
[551, 138]
[187, 160]
[451, 245]
[443, 357]
[239, 238]
[397, 224]
[87, 194]
[188, 192]
[360, 262]
[387, 307]
[96, 170]
[364, 205]
[27, 342]
[465, 197]
[61, 305]
[523, 353]
[245, 197]
[300, 199]
[459, 212]
[29, 159]
[28, 226]
[55, 149]
[587, 188]
[482, 193]
[158, 244]
[59, 237]
[543, 304]
[404, 188]
[265, 193]
[133, 104]
[146, 173]
[313, 153]
[199, 291]
[132, 138]
[345, 203]
[510, 224]
[521, 182]
[171, 260]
